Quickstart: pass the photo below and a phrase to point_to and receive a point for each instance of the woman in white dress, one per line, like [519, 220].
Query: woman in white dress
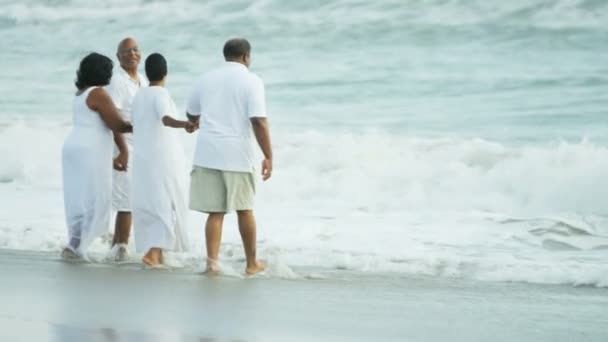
[87, 156]
[159, 184]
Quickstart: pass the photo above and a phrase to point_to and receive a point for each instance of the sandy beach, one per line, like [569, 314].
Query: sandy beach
[45, 299]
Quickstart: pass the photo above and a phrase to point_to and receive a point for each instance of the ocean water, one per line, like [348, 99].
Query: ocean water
[448, 138]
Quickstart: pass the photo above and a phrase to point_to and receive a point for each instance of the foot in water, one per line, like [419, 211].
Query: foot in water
[69, 253]
[154, 259]
[213, 268]
[258, 267]
[159, 267]
[119, 253]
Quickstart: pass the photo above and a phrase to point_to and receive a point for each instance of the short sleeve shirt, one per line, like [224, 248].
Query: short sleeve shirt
[226, 99]
[122, 90]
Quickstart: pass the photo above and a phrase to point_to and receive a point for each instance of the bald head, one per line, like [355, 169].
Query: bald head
[237, 50]
[126, 42]
[128, 55]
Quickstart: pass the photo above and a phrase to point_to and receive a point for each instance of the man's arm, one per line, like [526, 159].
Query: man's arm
[262, 135]
[121, 161]
[193, 108]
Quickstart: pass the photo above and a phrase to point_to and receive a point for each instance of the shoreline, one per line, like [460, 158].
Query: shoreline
[45, 299]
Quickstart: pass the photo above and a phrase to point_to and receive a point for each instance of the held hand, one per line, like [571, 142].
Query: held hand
[266, 169]
[121, 161]
[190, 127]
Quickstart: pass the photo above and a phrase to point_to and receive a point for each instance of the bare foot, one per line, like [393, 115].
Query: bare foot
[154, 265]
[148, 261]
[122, 253]
[68, 253]
[257, 268]
[153, 258]
[212, 267]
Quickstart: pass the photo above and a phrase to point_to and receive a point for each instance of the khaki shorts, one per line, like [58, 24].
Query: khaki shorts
[216, 191]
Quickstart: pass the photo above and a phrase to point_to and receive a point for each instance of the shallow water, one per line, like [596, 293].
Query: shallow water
[449, 138]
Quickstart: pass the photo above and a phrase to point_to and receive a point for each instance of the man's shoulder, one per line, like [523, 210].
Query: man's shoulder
[143, 80]
[256, 79]
[116, 88]
[117, 81]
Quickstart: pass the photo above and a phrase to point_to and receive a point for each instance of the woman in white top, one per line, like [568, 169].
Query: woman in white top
[159, 183]
[87, 156]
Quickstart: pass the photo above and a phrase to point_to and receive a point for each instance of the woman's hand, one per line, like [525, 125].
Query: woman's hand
[190, 127]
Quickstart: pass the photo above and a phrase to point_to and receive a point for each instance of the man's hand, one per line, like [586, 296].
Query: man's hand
[266, 169]
[121, 161]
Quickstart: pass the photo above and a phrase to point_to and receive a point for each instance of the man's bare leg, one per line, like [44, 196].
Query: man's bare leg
[213, 238]
[247, 228]
[122, 228]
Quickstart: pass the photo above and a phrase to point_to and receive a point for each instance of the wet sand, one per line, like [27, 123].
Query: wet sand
[45, 299]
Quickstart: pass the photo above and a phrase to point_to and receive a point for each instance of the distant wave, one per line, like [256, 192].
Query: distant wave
[329, 15]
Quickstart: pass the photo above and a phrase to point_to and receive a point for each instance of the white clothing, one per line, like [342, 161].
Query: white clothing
[121, 185]
[160, 174]
[87, 175]
[226, 99]
[122, 89]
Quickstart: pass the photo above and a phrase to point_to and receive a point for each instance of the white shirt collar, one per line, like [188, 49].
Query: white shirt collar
[235, 64]
[126, 75]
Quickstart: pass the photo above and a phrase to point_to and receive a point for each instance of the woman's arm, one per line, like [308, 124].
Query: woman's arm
[174, 123]
[101, 102]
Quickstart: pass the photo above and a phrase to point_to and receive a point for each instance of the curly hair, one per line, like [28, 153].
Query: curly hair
[95, 70]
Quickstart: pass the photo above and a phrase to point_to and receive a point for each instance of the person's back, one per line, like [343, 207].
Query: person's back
[229, 106]
[228, 97]
[152, 138]
[85, 156]
[159, 183]
[84, 119]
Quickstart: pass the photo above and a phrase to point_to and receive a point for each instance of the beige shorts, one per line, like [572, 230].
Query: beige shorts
[216, 191]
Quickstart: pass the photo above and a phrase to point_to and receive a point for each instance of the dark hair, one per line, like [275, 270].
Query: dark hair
[95, 70]
[236, 48]
[156, 67]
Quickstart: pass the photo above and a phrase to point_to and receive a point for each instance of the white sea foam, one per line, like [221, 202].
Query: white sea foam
[374, 202]
[431, 137]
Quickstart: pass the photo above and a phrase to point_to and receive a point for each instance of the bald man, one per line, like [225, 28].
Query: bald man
[230, 105]
[125, 82]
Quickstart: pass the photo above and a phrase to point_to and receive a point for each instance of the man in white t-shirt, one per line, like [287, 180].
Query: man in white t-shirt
[125, 82]
[229, 106]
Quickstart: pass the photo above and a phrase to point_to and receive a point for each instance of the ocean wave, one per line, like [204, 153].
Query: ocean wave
[382, 171]
[375, 202]
[555, 265]
[331, 15]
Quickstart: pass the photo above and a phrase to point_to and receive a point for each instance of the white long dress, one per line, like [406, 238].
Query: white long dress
[87, 175]
[159, 174]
